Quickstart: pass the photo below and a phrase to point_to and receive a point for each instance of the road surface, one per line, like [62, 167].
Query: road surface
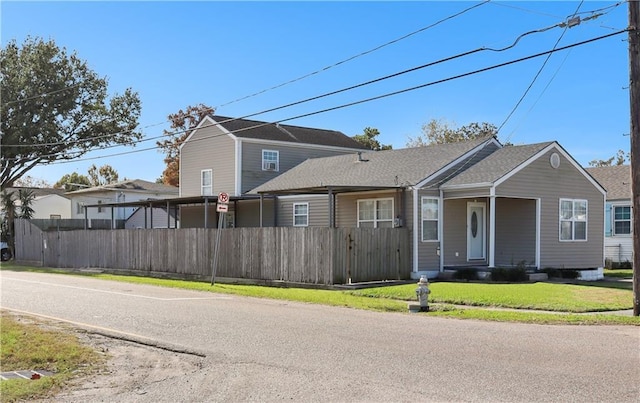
[266, 350]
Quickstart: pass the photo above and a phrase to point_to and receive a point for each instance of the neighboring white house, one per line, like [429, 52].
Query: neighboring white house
[48, 203]
[618, 229]
[119, 192]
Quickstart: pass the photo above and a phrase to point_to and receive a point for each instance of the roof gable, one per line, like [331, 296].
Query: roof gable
[497, 166]
[615, 179]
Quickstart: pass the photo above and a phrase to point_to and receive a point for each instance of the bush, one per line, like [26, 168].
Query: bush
[622, 265]
[516, 274]
[466, 274]
[561, 273]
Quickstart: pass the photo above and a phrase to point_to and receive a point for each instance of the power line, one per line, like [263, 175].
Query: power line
[381, 96]
[356, 56]
[539, 71]
[298, 78]
[324, 95]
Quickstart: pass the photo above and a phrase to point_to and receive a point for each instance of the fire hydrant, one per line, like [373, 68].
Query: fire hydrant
[422, 293]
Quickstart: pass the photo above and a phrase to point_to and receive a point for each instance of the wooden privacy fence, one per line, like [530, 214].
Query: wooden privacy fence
[302, 255]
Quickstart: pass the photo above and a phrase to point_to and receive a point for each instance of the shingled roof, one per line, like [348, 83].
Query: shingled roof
[374, 169]
[497, 165]
[255, 129]
[615, 179]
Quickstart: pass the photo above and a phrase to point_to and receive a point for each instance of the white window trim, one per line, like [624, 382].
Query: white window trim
[375, 219]
[613, 220]
[422, 219]
[202, 185]
[300, 215]
[573, 220]
[264, 162]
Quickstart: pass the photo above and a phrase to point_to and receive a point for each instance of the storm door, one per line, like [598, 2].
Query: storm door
[476, 234]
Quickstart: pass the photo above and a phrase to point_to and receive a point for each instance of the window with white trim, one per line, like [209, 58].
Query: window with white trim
[430, 213]
[621, 220]
[573, 220]
[270, 160]
[375, 213]
[300, 214]
[206, 182]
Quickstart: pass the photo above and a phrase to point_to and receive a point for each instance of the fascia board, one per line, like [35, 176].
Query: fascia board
[301, 145]
[458, 160]
[206, 122]
[467, 186]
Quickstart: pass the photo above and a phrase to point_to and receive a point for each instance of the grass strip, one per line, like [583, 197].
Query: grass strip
[25, 345]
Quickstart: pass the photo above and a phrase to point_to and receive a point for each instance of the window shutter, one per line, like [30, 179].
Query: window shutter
[607, 219]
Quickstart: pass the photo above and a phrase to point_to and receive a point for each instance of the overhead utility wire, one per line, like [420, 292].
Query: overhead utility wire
[299, 78]
[379, 96]
[356, 56]
[561, 24]
[571, 23]
[430, 64]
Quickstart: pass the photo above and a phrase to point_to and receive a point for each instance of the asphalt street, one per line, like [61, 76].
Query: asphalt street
[266, 350]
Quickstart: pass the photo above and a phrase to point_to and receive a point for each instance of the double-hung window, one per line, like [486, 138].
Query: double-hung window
[573, 220]
[621, 220]
[375, 213]
[430, 210]
[300, 214]
[206, 182]
[270, 160]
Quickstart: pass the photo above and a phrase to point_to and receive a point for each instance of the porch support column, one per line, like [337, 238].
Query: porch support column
[112, 218]
[332, 218]
[168, 215]
[415, 230]
[86, 217]
[492, 229]
[146, 225]
[538, 218]
[206, 212]
[441, 229]
[151, 213]
[261, 207]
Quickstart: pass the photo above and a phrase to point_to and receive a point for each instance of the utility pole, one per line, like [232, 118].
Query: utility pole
[634, 99]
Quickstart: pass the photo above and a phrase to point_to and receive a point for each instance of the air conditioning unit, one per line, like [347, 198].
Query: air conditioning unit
[270, 166]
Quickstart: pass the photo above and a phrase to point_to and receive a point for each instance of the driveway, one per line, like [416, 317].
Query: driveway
[269, 350]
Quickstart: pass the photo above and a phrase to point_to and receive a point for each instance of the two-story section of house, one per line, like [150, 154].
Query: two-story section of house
[618, 227]
[224, 154]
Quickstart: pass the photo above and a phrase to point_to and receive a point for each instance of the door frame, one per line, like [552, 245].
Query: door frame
[482, 230]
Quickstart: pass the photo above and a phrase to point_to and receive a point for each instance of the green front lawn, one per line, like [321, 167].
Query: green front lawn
[539, 296]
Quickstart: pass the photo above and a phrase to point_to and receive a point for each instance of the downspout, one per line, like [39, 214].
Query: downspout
[261, 208]
[331, 206]
[168, 215]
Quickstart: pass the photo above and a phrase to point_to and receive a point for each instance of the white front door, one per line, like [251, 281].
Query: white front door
[476, 234]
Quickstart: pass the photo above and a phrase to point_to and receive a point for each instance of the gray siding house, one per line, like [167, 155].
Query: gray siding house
[470, 204]
[231, 155]
[618, 214]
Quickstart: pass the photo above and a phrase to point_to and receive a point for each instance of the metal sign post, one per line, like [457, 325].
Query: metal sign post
[221, 207]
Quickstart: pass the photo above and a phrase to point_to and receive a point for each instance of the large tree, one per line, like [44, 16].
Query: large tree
[54, 107]
[104, 175]
[182, 122]
[439, 131]
[369, 140]
[619, 159]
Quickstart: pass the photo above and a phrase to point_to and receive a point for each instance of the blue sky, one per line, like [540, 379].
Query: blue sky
[176, 54]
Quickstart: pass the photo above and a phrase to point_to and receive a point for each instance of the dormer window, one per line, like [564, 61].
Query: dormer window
[270, 160]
